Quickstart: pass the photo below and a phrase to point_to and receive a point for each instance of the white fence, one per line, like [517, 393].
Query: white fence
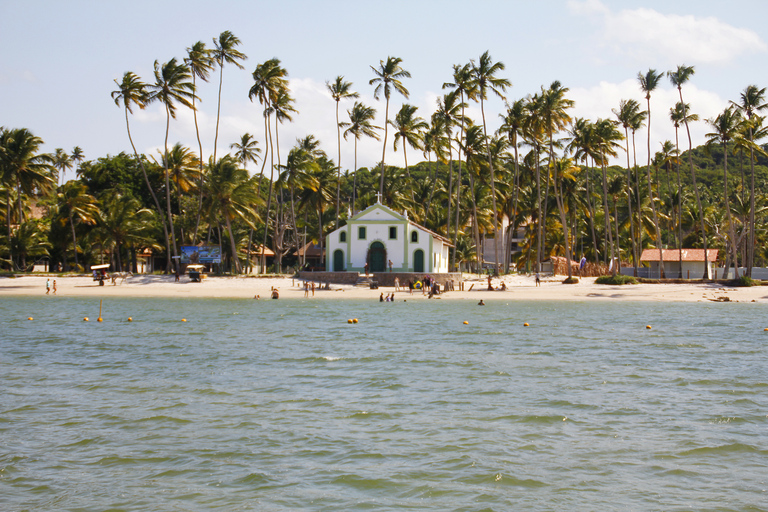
[717, 273]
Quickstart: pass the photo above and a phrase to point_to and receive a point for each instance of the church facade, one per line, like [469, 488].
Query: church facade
[385, 240]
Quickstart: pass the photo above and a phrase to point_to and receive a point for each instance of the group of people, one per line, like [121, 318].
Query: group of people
[307, 288]
[48, 287]
[388, 298]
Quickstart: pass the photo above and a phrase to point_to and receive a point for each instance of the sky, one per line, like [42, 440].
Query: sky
[61, 60]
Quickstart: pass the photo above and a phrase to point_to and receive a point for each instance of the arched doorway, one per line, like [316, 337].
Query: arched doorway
[338, 260]
[418, 261]
[377, 257]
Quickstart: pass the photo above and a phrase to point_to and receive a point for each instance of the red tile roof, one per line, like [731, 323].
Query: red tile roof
[674, 254]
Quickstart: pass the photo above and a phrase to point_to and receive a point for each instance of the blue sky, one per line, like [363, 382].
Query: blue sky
[60, 60]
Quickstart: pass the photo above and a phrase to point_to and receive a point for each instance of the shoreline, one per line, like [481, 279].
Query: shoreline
[519, 287]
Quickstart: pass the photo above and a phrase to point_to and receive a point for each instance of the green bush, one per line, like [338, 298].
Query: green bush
[747, 281]
[618, 279]
[571, 280]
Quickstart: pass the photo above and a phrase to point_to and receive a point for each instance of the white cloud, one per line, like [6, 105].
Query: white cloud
[646, 34]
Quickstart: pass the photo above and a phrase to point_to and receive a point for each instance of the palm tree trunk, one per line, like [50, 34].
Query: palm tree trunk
[629, 206]
[269, 199]
[607, 217]
[539, 242]
[8, 222]
[496, 260]
[232, 244]
[650, 195]
[338, 173]
[731, 232]
[218, 109]
[458, 186]
[450, 190]
[354, 183]
[200, 146]
[384, 150]
[751, 242]
[168, 185]
[74, 238]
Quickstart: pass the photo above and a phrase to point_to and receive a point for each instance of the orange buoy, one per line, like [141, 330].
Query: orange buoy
[99, 319]
[349, 321]
[30, 318]
[354, 320]
[183, 319]
[466, 323]
[130, 319]
[648, 327]
[85, 319]
[526, 324]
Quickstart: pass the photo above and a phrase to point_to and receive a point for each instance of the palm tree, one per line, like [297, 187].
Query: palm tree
[464, 85]
[172, 85]
[726, 126]
[388, 77]
[225, 52]
[409, 127]
[554, 117]
[61, 162]
[751, 101]
[78, 205]
[584, 145]
[268, 79]
[232, 194]
[77, 158]
[677, 115]
[132, 91]
[483, 76]
[360, 118]
[513, 122]
[648, 83]
[449, 115]
[627, 113]
[247, 150]
[183, 170]
[200, 63]
[123, 221]
[339, 90]
[607, 136]
[678, 78]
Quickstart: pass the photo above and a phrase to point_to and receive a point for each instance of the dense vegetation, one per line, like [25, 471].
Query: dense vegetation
[542, 173]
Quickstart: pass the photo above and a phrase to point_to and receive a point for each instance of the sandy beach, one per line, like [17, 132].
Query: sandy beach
[518, 288]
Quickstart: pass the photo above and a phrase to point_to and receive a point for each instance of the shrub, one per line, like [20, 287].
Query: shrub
[747, 281]
[618, 279]
[571, 280]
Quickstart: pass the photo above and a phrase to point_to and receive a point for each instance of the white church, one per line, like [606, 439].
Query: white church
[378, 236]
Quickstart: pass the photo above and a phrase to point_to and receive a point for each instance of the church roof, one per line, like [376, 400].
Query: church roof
[398, 216]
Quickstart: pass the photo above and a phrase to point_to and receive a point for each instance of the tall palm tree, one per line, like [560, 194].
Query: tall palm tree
[200, 63]
[225, 52]
[534, 136]
[388, 76]
[553, 110]
[232, 194]
[61, 162]
[648, 83]
[448, 114]
[485, 79]
[626, 114]
[465, 86]
[124, 222]
[607, 136]
[172, 85]
[79, 205]
[678, 77]
[339, 90]
[360, 123]
[513, 122]
[677, 115]
[183, 170]
[726, 127]
[584, 144]
[133, 92]
[751, 101]
[409, 127]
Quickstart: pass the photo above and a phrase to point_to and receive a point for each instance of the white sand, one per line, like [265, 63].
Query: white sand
[518, 288]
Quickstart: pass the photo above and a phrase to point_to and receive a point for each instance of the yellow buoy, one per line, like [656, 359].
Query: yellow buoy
[85, 319]
[183, 319]
[349, 321]
[648, 327]
[526, 324]
[466, 323]
[99, 319]
[766, 329]
[354, 320]
[30, 318]
[130, 319]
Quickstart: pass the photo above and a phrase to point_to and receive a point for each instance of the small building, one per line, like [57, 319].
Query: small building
[692, 262]
[379, 236]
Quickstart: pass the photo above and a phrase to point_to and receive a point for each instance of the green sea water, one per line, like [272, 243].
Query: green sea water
[283, 405]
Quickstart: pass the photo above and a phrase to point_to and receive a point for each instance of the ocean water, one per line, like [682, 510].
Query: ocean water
[283, 405]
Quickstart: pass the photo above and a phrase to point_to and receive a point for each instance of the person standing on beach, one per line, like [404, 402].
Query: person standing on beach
[54, 287]
[47, 286]
[397, 284]
[306, 289]
[538, 279]
[390, 266]
[313, 288]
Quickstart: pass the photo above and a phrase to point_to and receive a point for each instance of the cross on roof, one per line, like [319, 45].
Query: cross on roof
[378, 197]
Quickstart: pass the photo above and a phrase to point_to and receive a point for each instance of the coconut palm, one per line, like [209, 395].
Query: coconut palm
[268, 78]
[679, 114]
[77, 158]
[123, 222]
[512, 125]
[183, 170]
[233, 195]
[554, 117]
[465, 86]
[409, 128]
[726, 127]
[485, 80]
[133, 92]
[225, 52]
[247, 150]
[200, 63]
[77, 204]
[388, 76]
[751, 101]
[448, 114]
[339, 90]
[678, 77]
[360, 123]
[61, 162]
[648, 83]
[607, 137]
[172, 85]
[627, 114]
